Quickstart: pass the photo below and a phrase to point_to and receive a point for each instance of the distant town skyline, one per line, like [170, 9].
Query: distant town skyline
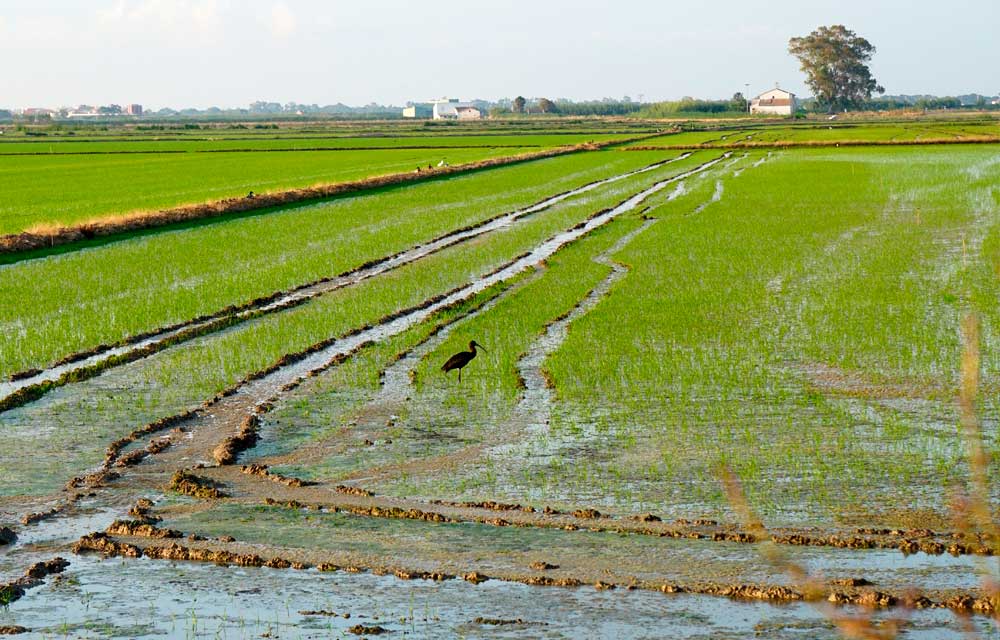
[224, 53]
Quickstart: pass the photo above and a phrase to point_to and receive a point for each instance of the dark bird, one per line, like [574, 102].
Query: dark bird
[460, 359]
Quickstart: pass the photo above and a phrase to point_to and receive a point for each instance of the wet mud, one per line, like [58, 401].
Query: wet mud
[842, 594]
[33, 577]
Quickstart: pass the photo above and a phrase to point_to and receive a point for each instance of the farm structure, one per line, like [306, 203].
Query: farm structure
[421, 110]
[452, 109]
[774, 102]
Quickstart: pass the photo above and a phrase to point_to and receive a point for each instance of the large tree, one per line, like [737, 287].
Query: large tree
[547, 106]
[835, 61]
[519, 104]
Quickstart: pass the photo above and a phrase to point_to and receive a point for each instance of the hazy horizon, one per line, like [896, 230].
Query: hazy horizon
[203, 53]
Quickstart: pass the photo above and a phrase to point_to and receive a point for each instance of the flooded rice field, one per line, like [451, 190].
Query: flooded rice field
[671, 334]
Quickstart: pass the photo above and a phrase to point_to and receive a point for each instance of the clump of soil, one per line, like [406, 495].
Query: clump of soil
[851, 582]
[116, 447]
[194, 486]
[230, 448]
[7, 536]
[406, 574]
[262, 471]
[140, 511]
[139, 529]
[362, 630]
[94, 480]
[545, 581]
[12, 630]
[32, 518]
[33, 576]
[488, 505]
[101, 543]
[475, 577]
[754, 592]
[325, 613]
[397, 513]
[543, 566]
[353, 491]
[135, 457]
[497, 622]
[590, 514]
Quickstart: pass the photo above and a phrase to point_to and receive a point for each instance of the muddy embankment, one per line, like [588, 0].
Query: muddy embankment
[133, 540]
[129, 222]
[28, 386]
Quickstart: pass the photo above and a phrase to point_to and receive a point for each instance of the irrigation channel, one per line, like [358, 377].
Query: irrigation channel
[627, 558]
[29, 386]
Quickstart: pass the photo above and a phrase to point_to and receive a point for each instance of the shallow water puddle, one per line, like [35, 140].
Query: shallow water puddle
[191, 601]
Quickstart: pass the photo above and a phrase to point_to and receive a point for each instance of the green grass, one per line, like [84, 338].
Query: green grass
[792, 314]
[79, 420]
[709, 351]
[65, 190]
[67, 303]
[830, 132]
[812, 346]
[226, 141]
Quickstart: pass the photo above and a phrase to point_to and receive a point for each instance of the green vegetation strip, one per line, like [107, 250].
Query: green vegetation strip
[82, 419]
[68, 304]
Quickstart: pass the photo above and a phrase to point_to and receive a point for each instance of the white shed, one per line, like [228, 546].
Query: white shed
[451, 109]
[775, 102]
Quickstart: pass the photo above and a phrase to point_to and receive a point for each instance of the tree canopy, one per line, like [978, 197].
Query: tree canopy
[835, 61]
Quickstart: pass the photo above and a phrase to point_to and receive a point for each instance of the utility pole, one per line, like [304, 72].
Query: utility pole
[746, 96]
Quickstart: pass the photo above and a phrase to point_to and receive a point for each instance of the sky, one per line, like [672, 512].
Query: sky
[228, 53]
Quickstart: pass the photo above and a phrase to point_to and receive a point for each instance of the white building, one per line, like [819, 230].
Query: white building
[776, 102]
[452, 109]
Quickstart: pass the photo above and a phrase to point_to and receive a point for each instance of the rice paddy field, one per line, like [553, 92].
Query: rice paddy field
[721, 392]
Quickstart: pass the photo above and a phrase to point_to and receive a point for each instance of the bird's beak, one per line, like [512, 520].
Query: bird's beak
[480, 346]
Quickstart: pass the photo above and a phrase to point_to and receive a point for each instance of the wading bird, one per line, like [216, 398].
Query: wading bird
[460, 359]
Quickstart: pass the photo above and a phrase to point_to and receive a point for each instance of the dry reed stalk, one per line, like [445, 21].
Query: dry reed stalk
[812, 587]
[972, 511]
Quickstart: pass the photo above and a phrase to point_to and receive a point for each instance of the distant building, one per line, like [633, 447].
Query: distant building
[776, 102]
[83, 112]
[423, 110]
[133, 110]
[34, 112]
[453, 109]
[469, 112]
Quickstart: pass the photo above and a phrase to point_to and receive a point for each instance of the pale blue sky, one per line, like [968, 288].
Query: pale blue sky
[231, 52]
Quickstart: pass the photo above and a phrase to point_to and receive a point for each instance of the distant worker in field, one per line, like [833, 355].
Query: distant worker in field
[251, 196]
[443, 163]
[460, 359]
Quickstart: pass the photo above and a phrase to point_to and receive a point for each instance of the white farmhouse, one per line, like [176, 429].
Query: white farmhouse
[454, 110]
[776, 102]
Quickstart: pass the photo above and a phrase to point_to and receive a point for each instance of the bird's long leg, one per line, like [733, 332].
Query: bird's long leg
[460, 376]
